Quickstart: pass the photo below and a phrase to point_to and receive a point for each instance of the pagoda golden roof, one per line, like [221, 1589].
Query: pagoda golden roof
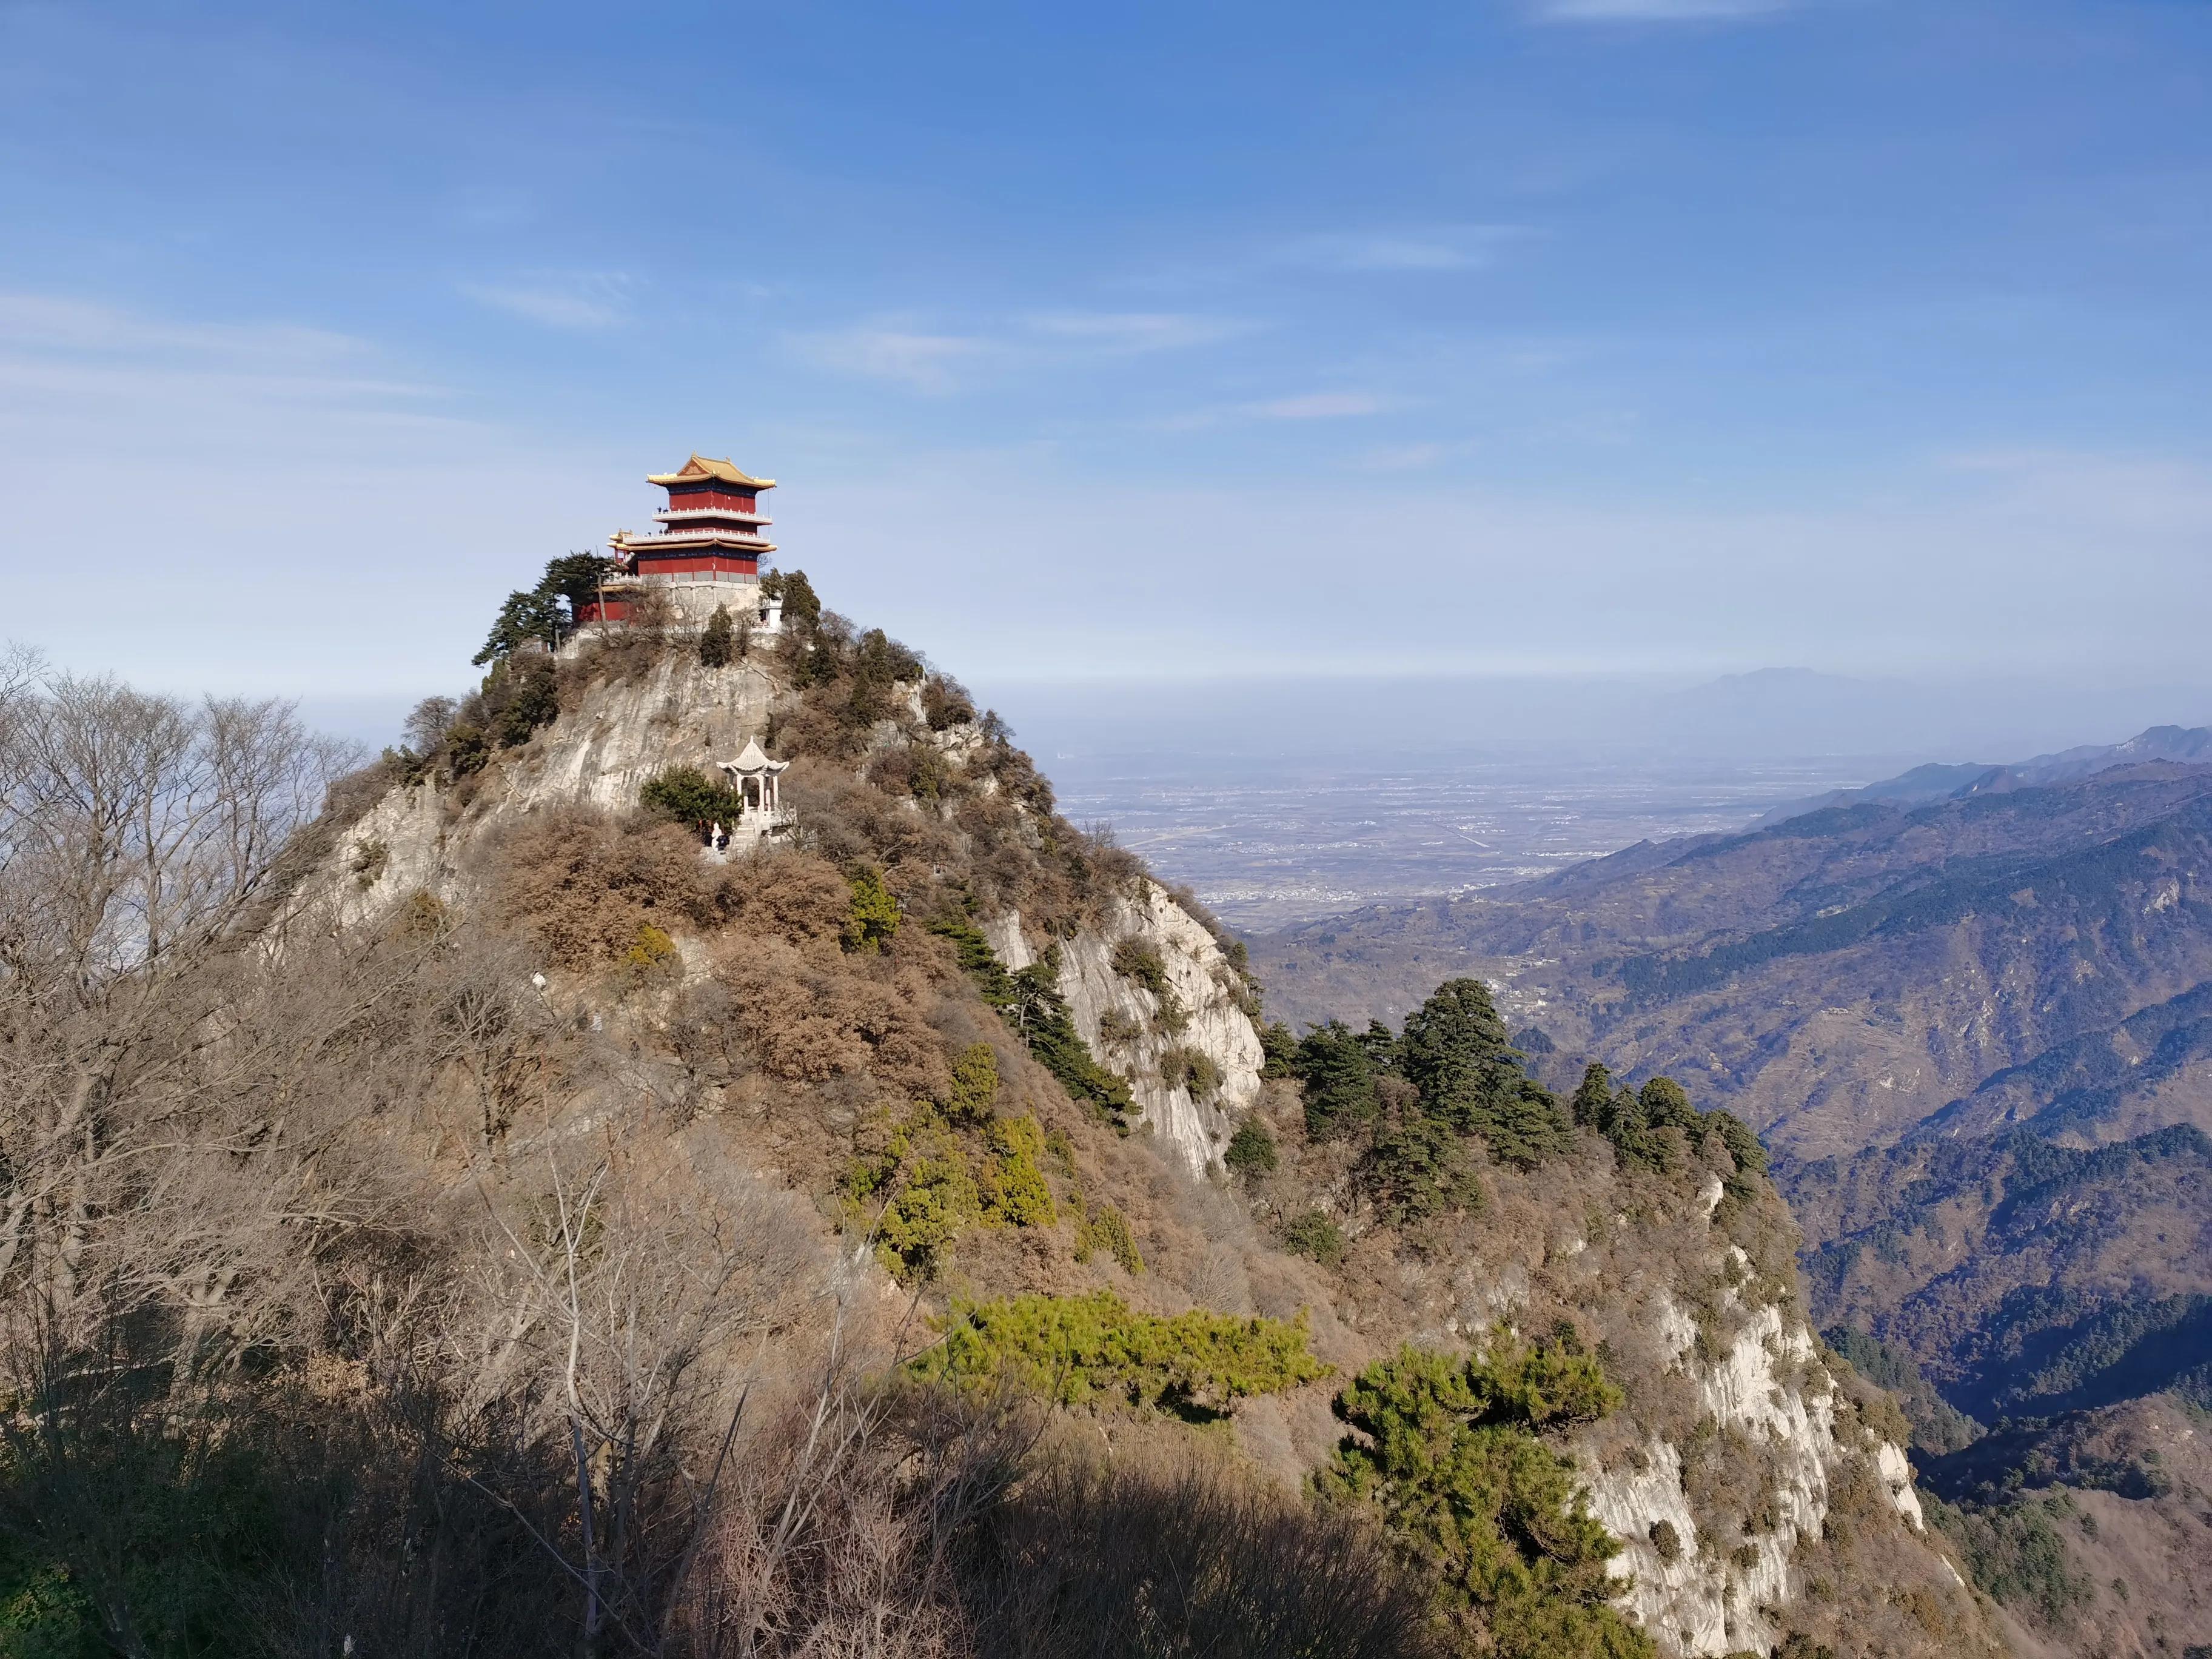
[701, 468]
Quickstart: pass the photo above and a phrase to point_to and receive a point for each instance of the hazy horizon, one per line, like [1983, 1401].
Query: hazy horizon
[1767, 715]
[1279, 801]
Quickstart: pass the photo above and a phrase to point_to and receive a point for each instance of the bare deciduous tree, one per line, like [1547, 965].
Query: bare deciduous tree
[135, 833]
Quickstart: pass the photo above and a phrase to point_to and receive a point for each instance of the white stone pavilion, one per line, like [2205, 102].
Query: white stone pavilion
[757, 779]
[759, 783]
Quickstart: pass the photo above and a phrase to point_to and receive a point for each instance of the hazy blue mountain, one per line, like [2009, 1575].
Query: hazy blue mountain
[2189, 746]
[1849, 977]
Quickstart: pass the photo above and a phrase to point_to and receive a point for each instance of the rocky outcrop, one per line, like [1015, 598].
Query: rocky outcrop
[1747, 1471]
[1767, 1390]
[1150, 1037]
[598, 753]
[1189, 1050]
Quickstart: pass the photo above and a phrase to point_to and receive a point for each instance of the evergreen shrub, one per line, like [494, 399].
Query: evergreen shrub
[874, 917]
[1447, 1452]
[686, 795]
[1251, 1151]
[1075, 1349]
[1315, 1236]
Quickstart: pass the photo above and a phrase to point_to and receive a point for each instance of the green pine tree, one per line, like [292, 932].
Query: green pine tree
[1338, 1071]
[1251, 1151]
[802, 610]
[874, 916]
[686, 795]
[715, 640]
[1457, 1053]
[1450, 1456]
[1593, 1096]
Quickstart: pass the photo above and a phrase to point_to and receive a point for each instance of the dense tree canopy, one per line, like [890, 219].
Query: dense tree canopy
[1339, 1075]
[1457, 1053]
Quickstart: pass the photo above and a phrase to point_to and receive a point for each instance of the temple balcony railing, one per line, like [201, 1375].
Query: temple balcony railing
[687, 514]
[681, 578]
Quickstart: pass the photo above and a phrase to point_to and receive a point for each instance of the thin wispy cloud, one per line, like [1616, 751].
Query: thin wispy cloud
[2139, 491]
[907, 356]
[77, 374]
[1431, 247]
[1303, 406]
[936, 361]
[1134, 331]
[1408, 458]
[52, 323]
[1318, 406]
[1657, 11]
[580, 300]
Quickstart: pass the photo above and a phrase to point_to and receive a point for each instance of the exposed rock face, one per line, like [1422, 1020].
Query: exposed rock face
[398, 847]
[1199, 1014]
[1768, 1386]
[599, 754]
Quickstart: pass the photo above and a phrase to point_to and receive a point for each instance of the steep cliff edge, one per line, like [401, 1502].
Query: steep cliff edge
[1197, 1005]
[1758, 1486]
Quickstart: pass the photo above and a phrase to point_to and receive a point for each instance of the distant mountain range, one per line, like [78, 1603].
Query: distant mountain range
[1970, 1010]
[1856, 974]
[2189, 745]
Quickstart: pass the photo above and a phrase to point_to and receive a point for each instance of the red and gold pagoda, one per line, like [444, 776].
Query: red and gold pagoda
[712, 535]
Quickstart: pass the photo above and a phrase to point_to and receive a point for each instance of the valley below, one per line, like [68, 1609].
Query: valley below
[1270, 841]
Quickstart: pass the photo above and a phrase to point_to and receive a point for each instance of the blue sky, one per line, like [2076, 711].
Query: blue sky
[1540, 336]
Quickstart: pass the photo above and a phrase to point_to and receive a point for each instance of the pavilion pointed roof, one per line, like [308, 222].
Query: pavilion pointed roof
[701, 469]
[755, 759]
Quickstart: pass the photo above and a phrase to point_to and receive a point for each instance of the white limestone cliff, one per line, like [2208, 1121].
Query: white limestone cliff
[599, 754]
[1767, 1385]
[1203, 990]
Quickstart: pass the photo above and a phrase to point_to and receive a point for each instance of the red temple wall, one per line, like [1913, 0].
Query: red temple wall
[659, 565]
[692, 501]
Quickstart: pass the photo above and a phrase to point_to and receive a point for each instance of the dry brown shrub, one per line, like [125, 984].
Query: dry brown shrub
[805, 726]
[846, 820]
[1112, 868]
[618, 656]
[582, 883]
[787, 895]
[810, 1016]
